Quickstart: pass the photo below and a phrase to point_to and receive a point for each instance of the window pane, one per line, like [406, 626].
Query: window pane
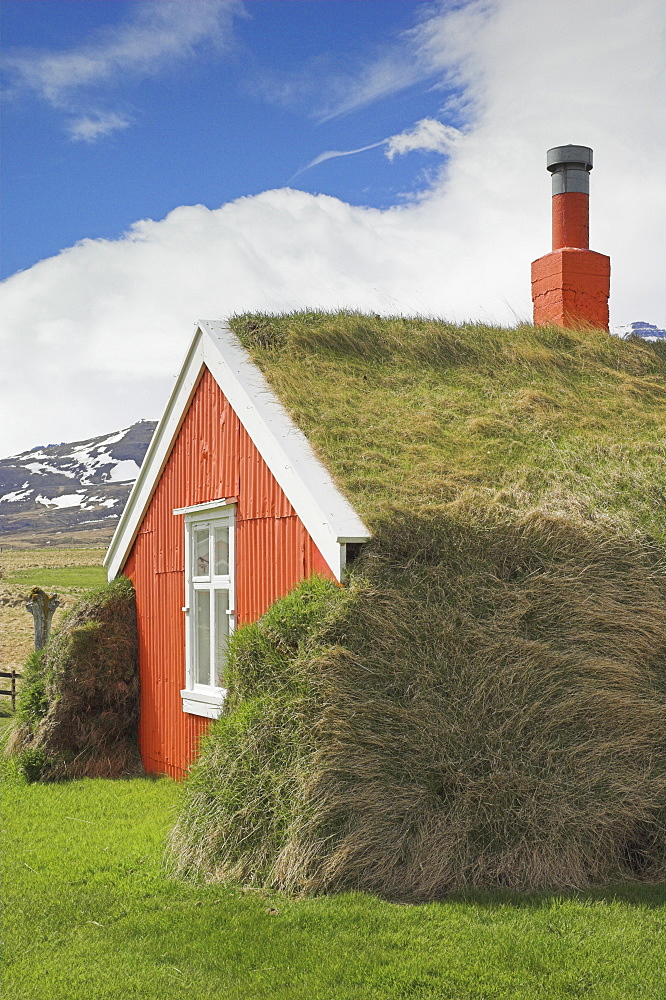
[202, 635]
[200, 552]
[221, 633]
[222, 551]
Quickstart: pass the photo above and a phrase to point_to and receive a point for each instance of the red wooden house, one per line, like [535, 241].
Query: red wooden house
[231, 510]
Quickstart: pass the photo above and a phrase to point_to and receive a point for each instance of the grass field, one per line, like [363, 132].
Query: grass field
[53, 557]
[66, 571]
[90, 914]
[65, 577]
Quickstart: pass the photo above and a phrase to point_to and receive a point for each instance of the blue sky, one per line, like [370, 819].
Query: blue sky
[233, 115]
[170, 160]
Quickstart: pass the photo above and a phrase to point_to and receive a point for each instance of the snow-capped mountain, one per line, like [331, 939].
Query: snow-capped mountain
[646, 331]
[66, 489]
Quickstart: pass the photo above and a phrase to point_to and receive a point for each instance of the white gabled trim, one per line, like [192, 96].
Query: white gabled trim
[155, 458]
[201, 507]
[327, 515]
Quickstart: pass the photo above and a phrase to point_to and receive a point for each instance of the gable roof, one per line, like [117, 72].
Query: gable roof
[412, 415]
[326, 514]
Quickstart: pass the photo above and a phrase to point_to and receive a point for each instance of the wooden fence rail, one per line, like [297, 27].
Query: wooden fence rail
[12, 689]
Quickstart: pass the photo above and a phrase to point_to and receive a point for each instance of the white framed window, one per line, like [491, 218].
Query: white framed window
[209, 604]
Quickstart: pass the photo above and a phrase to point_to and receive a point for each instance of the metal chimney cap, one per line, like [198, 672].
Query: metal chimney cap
[561, 157]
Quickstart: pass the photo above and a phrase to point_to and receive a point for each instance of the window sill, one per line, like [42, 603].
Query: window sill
[205, 703]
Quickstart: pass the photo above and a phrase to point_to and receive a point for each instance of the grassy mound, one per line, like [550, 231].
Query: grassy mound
[77, 712]
[485, 703]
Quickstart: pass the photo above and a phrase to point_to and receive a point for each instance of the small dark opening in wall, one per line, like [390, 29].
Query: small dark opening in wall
[353, 551]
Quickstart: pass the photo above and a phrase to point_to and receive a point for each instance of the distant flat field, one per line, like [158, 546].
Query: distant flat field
[65, 571]
[37, 540]
[51, 557]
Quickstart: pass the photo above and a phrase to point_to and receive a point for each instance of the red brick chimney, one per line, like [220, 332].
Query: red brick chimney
[571, 285]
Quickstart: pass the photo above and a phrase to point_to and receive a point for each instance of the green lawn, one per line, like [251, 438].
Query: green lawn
[90, 915]
[54, 577]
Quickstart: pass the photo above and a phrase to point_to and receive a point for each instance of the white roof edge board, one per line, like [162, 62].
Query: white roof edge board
[326, 514]
[155, 458]
[306, 482]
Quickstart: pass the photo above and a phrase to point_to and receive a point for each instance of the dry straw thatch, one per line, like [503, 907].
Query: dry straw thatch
[78, 709]
[485, 703]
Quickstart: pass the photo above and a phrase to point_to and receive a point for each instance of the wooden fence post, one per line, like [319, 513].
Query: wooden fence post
[11, 691]
[41, 607]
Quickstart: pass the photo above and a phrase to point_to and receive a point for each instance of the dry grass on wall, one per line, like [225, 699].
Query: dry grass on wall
[78, 707]
[484, 706]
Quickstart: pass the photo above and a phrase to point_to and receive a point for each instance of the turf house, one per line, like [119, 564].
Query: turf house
[401, 593]
[442, 551]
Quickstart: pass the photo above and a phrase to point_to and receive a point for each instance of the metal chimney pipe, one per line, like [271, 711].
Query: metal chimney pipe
[570, 167]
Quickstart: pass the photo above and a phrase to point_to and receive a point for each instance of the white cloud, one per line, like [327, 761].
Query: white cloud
[419, 55]
[382, 78]
[159, 32]
[89, 128]
[92, 338]
[438, 47]
[428, 135]
[332, 154]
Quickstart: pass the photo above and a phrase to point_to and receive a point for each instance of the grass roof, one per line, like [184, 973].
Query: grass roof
[412, 414]
[485, 703]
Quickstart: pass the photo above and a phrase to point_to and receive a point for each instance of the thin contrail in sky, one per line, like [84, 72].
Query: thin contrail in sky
[330, 154]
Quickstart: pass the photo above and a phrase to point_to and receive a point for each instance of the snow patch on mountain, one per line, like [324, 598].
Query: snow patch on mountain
[646, 331]
[68, 500]
[43, 469]
[48, 488]
[124, 472]
[16, 495]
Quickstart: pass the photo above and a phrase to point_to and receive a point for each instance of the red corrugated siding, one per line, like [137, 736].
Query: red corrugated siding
[212, 457]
